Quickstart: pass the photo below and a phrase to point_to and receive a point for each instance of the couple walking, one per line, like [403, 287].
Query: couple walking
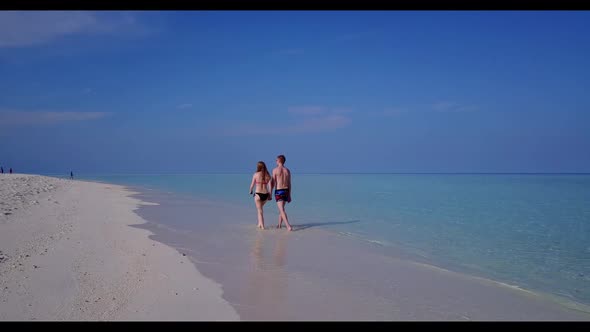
[264, 182]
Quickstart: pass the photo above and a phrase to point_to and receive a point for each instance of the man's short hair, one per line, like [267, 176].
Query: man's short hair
[282, 159]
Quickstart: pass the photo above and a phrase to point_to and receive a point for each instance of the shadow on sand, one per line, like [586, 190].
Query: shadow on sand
[301, 227]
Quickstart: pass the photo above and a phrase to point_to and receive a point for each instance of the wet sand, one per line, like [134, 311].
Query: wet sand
[314, 274]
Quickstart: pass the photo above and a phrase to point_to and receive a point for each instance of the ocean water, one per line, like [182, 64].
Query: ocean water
[527, 230]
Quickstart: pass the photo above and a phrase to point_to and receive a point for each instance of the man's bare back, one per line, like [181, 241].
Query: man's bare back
[281, 177]
[281, 180]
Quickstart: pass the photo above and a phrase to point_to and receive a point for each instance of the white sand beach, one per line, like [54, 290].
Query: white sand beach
[67, 252]
[84, 251]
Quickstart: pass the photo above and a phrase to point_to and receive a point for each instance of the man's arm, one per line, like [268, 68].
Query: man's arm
[290, 187]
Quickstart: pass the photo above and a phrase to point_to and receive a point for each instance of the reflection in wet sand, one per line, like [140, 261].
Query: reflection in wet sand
[267, 278]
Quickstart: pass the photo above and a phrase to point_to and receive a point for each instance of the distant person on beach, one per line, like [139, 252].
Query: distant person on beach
[1, 170]
[71, 175]
[262, 180]
[10, 170]
[281, 180]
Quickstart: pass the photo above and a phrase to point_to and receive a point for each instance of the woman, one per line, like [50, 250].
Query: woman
[262, 180]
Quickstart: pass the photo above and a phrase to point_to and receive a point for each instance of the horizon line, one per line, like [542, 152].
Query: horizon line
[321, 173]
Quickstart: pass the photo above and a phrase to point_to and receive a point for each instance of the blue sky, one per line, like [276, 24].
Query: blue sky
[335, 91]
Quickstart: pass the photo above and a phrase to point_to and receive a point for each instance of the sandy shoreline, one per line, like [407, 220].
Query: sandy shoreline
[87, 251]
[313, 274]
[67, 253]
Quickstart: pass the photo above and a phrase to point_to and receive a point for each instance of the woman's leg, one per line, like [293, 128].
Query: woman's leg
[259, 205]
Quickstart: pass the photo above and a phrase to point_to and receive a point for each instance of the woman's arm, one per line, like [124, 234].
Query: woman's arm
[252, 184]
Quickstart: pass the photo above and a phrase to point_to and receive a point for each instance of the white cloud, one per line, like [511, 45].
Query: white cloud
[22, 118]
[349, 36]
[306, 110]
[320, 124]
[393, 111]
[446, 106]
[28, 28]
[466, 109]
[304, 119]
[442, 106]
[340, 110]
[316, 110]
[184, 106]
[290, 51]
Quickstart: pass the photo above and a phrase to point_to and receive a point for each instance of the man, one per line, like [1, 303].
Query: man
[281, 180]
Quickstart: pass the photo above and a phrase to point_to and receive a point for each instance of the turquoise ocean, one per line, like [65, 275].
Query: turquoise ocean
[526, 230]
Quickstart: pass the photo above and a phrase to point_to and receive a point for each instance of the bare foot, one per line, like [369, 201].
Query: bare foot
[279, 226]
[290, 228]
